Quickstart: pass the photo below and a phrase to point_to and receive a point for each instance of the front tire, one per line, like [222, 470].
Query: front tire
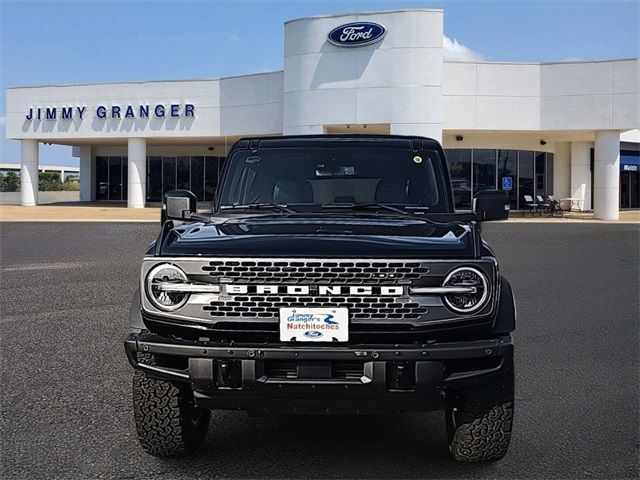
[167, 421]
[479, 421]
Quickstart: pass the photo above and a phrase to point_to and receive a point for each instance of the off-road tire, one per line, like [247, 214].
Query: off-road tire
[167, 421]
[479, 421]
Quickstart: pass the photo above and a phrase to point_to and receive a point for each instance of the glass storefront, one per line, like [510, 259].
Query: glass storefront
[471, 170]
[196, 173]
[531, 173]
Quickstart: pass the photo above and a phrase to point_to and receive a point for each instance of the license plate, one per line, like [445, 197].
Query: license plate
[314, 324]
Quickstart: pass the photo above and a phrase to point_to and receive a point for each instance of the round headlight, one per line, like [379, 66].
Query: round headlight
[165, 275]
[471, 301]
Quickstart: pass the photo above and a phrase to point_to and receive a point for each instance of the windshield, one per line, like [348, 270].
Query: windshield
[307, 179]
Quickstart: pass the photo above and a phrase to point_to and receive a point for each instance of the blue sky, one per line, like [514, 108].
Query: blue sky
[88, 41]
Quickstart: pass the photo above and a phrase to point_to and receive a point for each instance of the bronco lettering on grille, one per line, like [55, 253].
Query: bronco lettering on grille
[324, 290]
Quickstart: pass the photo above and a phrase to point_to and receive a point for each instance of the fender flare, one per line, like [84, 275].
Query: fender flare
[136, 324]
[506, 315]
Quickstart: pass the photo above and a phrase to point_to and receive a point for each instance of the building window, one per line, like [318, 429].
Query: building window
[211, 171]
[183, 173]
[102, 178]
[508, 167]
[525, 176]
[459, 161]
[154, 179]
[168, 174]
[531, 173]
[539, 174]
[111, 178]
[484, 170]
[125, 177]
[198, 174]
[197, 177]
[629, 179]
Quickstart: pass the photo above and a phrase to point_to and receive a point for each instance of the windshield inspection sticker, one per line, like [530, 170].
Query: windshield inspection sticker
[417, 159]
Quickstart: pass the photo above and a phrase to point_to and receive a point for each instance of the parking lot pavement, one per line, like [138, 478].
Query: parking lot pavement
[66, 385]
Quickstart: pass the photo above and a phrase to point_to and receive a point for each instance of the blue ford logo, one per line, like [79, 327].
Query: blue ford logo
[356, 34]
[313, 334]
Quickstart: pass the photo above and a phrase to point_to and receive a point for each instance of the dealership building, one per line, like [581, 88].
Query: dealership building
[563, 128]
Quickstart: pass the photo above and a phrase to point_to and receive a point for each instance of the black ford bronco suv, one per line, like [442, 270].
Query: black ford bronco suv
[332, 276]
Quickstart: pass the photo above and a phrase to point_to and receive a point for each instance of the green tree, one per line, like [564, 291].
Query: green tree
[11, 182]
[49, 182]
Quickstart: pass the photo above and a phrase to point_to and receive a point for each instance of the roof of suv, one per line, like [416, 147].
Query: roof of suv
[400, 141]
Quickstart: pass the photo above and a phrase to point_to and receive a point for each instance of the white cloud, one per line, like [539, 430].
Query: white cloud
[456, 52]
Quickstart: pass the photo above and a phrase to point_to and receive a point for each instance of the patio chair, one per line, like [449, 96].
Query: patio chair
[529, 205]
[554, 207]
[543, 205]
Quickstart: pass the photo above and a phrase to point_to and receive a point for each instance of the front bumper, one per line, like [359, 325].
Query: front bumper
[322, 379]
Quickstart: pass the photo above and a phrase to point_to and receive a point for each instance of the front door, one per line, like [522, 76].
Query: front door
[111, 178]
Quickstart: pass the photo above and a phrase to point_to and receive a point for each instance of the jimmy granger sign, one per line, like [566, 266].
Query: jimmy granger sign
[114, 111]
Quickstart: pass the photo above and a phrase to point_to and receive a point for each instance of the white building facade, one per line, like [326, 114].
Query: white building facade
[567, 129]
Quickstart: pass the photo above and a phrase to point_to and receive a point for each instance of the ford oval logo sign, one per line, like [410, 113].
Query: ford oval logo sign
[356, 34]
[312, 334]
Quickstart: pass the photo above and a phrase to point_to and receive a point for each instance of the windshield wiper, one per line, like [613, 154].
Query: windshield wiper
[365, 206]
[281, 207]
[382, 206]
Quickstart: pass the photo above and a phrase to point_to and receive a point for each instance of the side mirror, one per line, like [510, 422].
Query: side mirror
[178, 205]
[491, 205]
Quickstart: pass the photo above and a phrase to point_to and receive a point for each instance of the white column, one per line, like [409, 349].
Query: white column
[562, 170]
[606, 175]
[29, 173]
[87, 174]
[581, 173]
[137, 173]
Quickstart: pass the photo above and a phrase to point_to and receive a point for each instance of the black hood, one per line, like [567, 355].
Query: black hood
[329, 236]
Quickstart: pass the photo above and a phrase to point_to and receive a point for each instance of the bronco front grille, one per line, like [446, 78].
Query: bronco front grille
[333, 272]
[361, 308]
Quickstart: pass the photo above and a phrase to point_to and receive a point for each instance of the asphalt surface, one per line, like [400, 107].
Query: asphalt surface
[66, 385]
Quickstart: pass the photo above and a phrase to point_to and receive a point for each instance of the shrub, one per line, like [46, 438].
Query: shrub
[70, 186]
[11, 182]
